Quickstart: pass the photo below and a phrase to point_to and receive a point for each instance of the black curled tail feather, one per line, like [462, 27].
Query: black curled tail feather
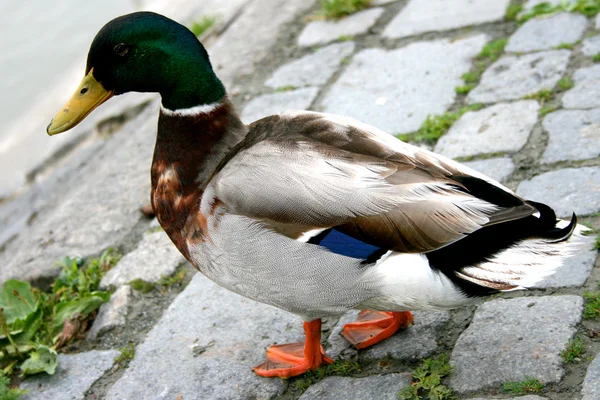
[491, 241]
[547, 223]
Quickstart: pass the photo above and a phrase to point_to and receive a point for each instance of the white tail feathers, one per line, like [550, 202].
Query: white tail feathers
[527, 262]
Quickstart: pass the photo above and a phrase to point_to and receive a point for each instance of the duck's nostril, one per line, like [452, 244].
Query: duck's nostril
[84, 90]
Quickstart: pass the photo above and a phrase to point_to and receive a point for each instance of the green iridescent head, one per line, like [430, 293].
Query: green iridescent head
[143, 52]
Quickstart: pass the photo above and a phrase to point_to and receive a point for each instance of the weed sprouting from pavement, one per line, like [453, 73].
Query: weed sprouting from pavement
[427, 381]
[575, 349]
[564, 84]
[528, 385]
[339, 368]
[589, 8]
[334, 9]
[35, 324]
[591, 308]
[435, 126]
[489, 53]
[126, 353]
[201, 25]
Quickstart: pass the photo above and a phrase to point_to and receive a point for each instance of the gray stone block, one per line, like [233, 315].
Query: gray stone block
[499, 128]
[574, 271]
[511, 339]
[380, 387]
[420, 16]
[396, 90]
[546, 33]
[591, 383]
[513, 77]
[35, 203]
[416, 341]
[586, 92]
[496, 168]
[155, 257]
[574, 135]
[320, 32]
[275, 103]
[232, 332]
[75, 375]
[567, 191]
[311, 70]
[233, 55]
[591, 46]
[113, 313]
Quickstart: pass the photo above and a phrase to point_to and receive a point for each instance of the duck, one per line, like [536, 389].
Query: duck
[314, 213]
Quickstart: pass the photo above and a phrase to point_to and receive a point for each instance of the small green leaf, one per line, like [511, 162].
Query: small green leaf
[26, 328]
[17, 300]
[40, 360]
[80, 305]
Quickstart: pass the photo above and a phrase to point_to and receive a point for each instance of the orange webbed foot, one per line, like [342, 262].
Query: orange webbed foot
[293, 359]
[371, 327]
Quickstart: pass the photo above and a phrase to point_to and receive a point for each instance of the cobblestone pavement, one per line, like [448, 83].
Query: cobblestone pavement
[533, 124]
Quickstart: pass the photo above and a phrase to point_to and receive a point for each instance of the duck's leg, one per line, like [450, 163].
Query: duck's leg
[372, 327]
[287, 360]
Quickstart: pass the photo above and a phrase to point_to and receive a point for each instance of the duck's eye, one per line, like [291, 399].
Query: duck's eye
[121, 49]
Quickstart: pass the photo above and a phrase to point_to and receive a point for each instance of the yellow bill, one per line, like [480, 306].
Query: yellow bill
[89, 95]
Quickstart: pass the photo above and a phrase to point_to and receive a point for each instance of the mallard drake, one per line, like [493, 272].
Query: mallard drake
[316, 214]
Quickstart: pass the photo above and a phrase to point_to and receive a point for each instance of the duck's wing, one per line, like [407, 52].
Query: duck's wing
[306, 171]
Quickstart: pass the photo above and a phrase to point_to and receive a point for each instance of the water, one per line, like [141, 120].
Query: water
[39, 41]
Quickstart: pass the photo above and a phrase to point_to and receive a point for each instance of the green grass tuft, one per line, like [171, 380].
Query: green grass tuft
[542, 96]
[126, 353]
[546, 95]
[529, 385]
[547, 110]
[338, 368]
[142, 286]
[464, 89]
[589, 8]
[471, 77]
[201, 25]
[436, 126]
[565, 46]
[596, 58]
[575, 349]
[427, 381]
[334, 9]
[591, 308]
[492, 50]
[285, 88]
[489, 53]
[564, 84]
[345, 38]
[173, 280]
[512, 12]
[164, 283]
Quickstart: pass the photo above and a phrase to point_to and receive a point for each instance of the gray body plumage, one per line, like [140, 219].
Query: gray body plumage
[302, 172]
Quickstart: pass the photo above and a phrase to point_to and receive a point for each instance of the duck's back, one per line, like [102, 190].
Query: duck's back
[319, 206]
